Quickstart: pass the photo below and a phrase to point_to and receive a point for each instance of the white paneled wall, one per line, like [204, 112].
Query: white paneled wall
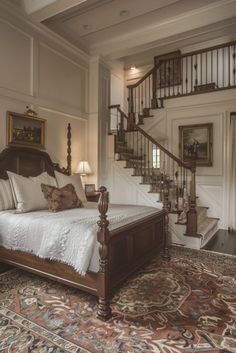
[40, 70]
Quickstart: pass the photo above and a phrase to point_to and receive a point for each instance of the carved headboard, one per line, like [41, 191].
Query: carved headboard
[25, 161]
[30, 161]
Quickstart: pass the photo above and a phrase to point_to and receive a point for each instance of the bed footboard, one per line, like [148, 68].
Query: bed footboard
[124, 250]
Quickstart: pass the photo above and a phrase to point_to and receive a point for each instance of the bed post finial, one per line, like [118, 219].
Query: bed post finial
[104, 310]
[69, 149]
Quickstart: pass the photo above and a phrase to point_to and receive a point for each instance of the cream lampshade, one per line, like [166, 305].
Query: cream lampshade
[84, 168]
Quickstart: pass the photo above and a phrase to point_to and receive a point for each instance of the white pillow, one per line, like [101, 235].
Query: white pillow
[6, 197]
[45, 178]
[75, 180]
[27, 192]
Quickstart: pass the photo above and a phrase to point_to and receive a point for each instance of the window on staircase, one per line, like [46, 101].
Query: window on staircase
[156, 157]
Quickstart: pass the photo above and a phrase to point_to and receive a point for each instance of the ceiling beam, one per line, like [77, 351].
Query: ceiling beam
[51, 8]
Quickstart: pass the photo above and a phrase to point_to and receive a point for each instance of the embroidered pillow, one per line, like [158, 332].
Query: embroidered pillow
[6, 197]
[60, 199]
[75, 180]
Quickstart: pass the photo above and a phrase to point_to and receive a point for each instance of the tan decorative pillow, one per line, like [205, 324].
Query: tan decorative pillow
[60, 199]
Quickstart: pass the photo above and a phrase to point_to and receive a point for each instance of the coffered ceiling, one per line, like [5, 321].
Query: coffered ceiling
[121, 28]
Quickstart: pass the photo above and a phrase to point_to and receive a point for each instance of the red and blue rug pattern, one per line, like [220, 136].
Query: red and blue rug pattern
[186, 305]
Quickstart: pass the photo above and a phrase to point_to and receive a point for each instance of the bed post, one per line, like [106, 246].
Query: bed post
[165, 253]
[104, 310]
[69, 149]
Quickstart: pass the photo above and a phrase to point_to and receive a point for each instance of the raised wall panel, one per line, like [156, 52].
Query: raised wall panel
[15, 59]
[61, 80]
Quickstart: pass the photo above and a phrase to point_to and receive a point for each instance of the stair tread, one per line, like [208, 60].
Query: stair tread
[207, 225]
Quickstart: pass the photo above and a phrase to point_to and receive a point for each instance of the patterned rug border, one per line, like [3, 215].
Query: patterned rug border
[42, 332]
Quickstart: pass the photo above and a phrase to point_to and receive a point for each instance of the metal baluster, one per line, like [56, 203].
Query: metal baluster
[229, 83]
[165, 82]
[145, 89]
[191, 68]
[169, 76]
[173, 77]
[201, 66]
[211, 66]
[139, 101]
[148, 158]
[206, 68]
[234, 69]
[186, 58]
[217, 68]
[223, 66]
[142, 98]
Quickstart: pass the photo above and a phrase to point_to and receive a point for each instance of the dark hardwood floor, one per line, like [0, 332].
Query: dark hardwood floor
[223, 242]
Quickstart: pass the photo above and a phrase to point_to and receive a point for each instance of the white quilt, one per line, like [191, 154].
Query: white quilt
[68, 236]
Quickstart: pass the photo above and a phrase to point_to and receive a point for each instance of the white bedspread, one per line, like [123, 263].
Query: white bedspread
[68, 236]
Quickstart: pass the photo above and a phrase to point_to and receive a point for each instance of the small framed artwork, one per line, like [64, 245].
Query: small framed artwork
[195, 143]
[170, 71]
[89, 188]
[25, 130]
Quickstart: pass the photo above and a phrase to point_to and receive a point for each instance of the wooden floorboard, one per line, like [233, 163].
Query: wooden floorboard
[223, 242]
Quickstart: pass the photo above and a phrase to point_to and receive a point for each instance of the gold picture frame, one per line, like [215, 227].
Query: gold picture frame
[196, 144]
[25, 130]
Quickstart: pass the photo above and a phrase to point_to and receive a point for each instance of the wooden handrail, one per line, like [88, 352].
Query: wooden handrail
[195, 52]
[149, 73]
[151, 139]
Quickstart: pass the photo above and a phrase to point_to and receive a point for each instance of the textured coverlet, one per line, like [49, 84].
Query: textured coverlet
[68, 236]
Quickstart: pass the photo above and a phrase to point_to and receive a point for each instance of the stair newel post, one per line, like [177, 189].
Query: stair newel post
[192, 213]
[103, 237]
[154, 103]
[131, 120]
[166, 208]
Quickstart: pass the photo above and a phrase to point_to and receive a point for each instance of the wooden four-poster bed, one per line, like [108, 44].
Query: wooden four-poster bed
[122, 251]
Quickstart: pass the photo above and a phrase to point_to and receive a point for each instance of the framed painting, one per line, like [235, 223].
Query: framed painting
[25, 130]
[170, 72]
[195, 143]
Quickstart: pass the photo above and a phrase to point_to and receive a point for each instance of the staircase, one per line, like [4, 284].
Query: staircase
[169, 179]
[172, 180]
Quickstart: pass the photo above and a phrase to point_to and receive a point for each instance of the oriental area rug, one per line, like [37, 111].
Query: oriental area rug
[186, 305]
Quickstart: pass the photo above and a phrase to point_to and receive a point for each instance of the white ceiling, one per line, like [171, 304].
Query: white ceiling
[121, 28]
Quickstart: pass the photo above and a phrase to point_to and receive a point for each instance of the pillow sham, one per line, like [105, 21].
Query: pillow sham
[60, 199]
[45, 178]
[75, 180]
[6, 197]
[27, 192]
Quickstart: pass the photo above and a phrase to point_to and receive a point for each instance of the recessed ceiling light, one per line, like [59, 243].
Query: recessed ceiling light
[87, 27]
[133, 68]
[124, 13]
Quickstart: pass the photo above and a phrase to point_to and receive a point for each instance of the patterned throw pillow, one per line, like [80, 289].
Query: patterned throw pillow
[60, 199]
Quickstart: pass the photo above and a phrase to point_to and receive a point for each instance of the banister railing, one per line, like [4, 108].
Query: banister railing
[200, 71]
[157, 166]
